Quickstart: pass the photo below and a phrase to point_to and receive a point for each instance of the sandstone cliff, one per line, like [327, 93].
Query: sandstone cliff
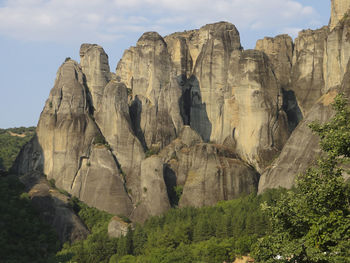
[191, 110]
[338, 9]
[320, 71]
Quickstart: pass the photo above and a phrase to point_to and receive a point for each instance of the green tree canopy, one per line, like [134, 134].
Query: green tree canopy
[311, 223]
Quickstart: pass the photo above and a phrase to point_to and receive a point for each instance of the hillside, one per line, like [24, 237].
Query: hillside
[11, 142]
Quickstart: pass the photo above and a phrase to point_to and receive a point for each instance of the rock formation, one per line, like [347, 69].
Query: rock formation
[337, 53]
[147, 73]
[301, 149]
[280, 52]
[208, 172]
[190, 110]
[307, 80]
[338, 9]
[94, 64]
[117, 227]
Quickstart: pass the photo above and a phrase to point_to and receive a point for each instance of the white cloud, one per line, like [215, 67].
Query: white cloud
[104, 20]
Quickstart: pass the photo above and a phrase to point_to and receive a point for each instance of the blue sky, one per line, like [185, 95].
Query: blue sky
[37, 35]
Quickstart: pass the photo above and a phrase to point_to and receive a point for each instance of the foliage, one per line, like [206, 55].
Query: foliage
[23, 236]
[10, 145]
[99, 140]
[208, 234]
[98, 247]
[312, 222]
[151, 151]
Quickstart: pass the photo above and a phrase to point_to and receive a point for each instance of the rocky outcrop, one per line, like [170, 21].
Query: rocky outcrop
[147, 73]
[307, 80]
[280, 52]
[113, 118]
[154, 198]
[70, 148]
[207, 172]
[54, 208]
[338, 9]
[212, 101]
[214, 176]
[300, 151]
[94, 64]
[66, 130]
[117, 227]
[99, 183]
[258, 123]
[211, 115]
[208, 50]
[337, 54]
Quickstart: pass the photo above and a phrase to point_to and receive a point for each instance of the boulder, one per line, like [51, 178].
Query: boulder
[117, 227]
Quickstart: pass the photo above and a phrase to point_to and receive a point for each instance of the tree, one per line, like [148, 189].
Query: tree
[311, 223]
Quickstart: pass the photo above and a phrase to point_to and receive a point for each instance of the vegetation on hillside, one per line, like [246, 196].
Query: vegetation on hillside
[11, 142]
[23, 236]
[208, 234]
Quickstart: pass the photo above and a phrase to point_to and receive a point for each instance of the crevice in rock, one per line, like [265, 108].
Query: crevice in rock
[291, 108]
[135, 111]
[170, 182]
[193, 111]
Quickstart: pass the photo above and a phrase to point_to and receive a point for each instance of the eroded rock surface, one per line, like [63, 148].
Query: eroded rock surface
[66, 130]
[280, 52]
[301, 149]
[94, 64]
[338, 9]
[117, 227]
[211, 115]
[154, 198]
[307, 72]
[208, 172]
[337, 54]
[100, 184]
[147, 73]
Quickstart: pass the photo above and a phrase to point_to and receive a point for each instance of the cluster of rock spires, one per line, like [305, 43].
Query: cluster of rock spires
[192, 109]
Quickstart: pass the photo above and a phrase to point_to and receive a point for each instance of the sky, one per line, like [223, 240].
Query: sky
[37, 35]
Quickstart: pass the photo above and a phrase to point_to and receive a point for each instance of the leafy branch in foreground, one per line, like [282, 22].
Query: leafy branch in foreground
[311, 223]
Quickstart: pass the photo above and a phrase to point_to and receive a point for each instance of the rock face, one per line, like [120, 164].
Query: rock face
[66, 130]
[192, 110]
[117, 227]
[307, 72]
[67, 149]
[113, 118]
[259, 124]
[220, 93]
[301, 149]
[338, 9]
[94, 64]
[100, 184]
[337, 54]
[154, 198]
[208, 172]
[147, 73]
[280, 52]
